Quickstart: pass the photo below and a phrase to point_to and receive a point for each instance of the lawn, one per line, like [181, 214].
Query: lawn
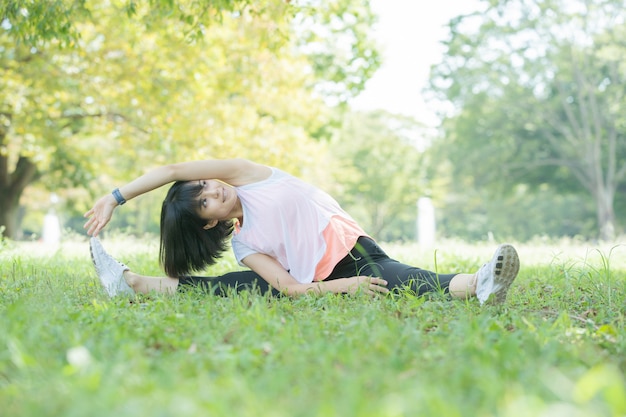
[556, 348]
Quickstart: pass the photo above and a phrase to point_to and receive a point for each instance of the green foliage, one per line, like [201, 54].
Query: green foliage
[35, 21]
[520, 215]
[537, 87]
[336, 37]
[67, 349]
[130, 85]
[380, 173]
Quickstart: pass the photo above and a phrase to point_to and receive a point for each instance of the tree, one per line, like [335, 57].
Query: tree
[158, 86]
[537, 90]
[380, 172]
[333, 34]
[35, 21]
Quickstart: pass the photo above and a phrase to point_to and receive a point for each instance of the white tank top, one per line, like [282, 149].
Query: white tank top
[286, 218]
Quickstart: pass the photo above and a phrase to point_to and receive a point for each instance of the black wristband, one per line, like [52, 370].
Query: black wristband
[118, 196]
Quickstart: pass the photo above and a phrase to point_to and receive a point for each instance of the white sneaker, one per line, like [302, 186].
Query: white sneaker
[496, 276]
[110, 271]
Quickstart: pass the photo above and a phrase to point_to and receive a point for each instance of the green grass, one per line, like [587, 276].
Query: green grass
[557, 348]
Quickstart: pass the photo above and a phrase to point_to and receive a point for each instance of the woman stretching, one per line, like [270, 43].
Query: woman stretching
[294, 237]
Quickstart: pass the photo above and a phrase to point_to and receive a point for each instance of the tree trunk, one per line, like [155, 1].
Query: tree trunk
[12, 186]
[8, 216]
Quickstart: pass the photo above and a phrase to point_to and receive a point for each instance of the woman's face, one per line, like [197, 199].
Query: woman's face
[217, 201]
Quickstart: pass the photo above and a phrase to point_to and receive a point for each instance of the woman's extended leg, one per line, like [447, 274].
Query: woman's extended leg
[117, 278]
[463, 286]
[223, 285]
[228, 283]
[495, 277]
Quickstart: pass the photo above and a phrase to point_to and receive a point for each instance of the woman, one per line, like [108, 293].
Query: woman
[292, 235]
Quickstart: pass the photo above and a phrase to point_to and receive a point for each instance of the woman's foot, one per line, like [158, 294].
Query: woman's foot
[110, 271]
[496, 276]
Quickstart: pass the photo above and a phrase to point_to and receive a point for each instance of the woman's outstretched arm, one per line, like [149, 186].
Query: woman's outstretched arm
[235, 172]
[273, 272]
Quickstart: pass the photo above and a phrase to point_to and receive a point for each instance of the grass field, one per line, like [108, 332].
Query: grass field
[556, 348]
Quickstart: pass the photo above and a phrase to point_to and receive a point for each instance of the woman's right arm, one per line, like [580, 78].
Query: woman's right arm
[235, 172]
[272, 271]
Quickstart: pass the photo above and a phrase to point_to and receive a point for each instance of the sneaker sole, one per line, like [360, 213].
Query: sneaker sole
[112, 289]
[95, 265]
[506, 269]
[93, 257]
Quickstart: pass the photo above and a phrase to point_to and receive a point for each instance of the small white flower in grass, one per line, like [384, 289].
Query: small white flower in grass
[79, 357]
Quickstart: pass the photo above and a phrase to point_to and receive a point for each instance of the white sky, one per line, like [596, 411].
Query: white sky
[409, 33]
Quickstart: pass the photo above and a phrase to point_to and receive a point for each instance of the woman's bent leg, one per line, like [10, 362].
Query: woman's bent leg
[367, 258]
[405, 277]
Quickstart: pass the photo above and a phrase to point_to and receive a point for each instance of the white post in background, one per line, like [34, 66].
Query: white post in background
[51, 225]
[425, 222]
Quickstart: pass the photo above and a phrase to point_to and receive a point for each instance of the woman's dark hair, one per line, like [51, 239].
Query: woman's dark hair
[185, 245]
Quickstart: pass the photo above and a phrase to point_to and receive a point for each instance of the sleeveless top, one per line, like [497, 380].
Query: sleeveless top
[299, 225]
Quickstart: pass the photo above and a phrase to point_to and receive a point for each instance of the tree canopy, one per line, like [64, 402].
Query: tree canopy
[380, 172]
[95, 92]
[35, 21]
[536, 88]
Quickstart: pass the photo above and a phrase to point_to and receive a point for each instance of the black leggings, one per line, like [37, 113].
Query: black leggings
[366, 258]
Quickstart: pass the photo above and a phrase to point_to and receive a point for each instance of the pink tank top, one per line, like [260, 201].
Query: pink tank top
[299, 225]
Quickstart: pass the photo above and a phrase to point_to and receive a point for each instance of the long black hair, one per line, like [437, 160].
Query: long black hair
[185, 245]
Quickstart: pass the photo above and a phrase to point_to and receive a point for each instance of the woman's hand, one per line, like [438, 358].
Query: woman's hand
[100, 214]
[368, 285]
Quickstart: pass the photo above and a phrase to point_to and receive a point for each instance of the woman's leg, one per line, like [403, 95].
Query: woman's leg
[118, 279]
[494, 277]
[463, 286]
[367, 258]
[401, 276]
[221, 285]
[228, 283]
[147, 284]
